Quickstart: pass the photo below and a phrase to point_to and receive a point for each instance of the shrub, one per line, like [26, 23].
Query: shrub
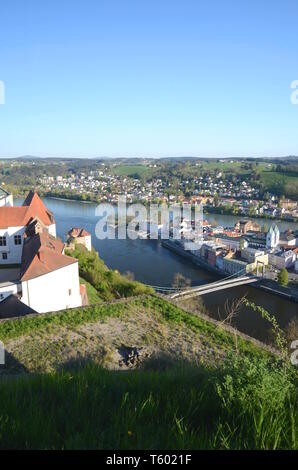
[109, 284]
[283, 277]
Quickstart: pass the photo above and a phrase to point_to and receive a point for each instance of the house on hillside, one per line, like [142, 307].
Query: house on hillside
[49, 279]
[35, 271]
[15, 220]
[79, 235]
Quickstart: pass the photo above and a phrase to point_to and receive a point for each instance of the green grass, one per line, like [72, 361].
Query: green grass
[225, 166]
[93, 295]
[280, 183]
[243, 405]
[133, 170]
[247, 401]
[14, 328]
[28, 325]
[108, 283]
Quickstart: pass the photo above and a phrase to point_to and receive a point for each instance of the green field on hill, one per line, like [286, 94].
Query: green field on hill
[280, 184]
[133, 170]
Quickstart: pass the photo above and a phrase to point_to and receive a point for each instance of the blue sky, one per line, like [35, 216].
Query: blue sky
[148, 78]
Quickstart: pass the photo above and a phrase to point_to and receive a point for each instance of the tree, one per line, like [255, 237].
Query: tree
[283, 277]
[180, 281]
[242, 244]
[266, 196]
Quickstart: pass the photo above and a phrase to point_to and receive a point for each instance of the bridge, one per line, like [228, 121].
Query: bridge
[227, 283]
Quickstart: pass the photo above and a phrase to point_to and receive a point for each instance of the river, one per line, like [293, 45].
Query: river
[152, 264]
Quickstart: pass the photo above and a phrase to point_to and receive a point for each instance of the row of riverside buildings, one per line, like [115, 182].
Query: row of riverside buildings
[35, 273]
[240, 249]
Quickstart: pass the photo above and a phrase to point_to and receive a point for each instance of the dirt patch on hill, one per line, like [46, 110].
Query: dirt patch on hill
[142, 332]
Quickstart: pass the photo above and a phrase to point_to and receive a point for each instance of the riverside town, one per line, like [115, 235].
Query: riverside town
[149, 231]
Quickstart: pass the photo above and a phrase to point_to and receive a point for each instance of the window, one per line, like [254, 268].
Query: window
[69, 291]
[2, 241]
[4, 255]
[17, 240]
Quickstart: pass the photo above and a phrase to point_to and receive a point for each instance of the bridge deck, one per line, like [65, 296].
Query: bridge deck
[213, 287]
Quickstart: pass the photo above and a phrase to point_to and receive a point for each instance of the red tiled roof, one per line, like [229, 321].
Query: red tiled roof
[77, 232]
[42, 254]
[19, 216]
[12, 216]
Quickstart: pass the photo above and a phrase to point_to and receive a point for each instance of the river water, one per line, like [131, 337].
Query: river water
[155, 265]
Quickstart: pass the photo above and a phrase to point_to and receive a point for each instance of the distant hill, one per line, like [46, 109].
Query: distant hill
[28, 157]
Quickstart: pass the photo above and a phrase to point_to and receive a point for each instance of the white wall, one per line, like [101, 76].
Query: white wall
[6, 201]
[6, 289]
[88, 242]
[52, 230]
[50, 292]
[14, 252]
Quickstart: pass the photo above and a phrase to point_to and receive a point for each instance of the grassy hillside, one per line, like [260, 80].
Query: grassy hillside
[65, 384]
[136, 171]
[109, 284]
[280, 184]
[92, 293]
[48, 342]
[242, 406]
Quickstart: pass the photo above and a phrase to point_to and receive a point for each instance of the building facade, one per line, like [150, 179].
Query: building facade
[81, 236]
[272, 237]
[45, 279]
[6, 199]
[282, 259]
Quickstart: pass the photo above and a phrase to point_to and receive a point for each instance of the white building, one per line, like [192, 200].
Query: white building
[233, 243]
[289, 238]
[282, 259]
[253, 255]
[15, 220]
[81, 236]
[272, 237]
[38, 274]
[50, 279]
[6, 199]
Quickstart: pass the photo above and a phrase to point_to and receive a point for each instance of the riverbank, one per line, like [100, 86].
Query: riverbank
[263, 284]
[274, 288]
[150, 263]
[195, 259]
[221, 211]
